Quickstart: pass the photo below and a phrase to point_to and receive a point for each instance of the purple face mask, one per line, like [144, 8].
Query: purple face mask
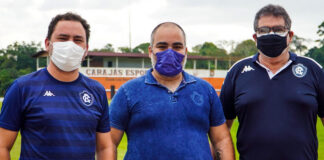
[168, 62]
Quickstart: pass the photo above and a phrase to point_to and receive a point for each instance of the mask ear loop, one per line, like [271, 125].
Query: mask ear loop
[50, 52]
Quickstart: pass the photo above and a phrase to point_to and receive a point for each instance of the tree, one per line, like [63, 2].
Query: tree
[196, 48]
[320, 32]
[210, 49]
[317, 54]
[245, 48]
[297, 45]
[141, 48]
[16, 60]
[107, 48]
[125, 49]
[195, 51]
[225, 44]
[23, 52]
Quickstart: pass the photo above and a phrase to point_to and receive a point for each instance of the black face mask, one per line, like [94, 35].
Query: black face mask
[272, 45]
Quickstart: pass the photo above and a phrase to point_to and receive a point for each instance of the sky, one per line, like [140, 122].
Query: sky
[203, 20]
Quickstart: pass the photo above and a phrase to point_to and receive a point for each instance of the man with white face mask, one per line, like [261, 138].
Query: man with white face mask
[275, 94]
[61, 113]
[168, 114]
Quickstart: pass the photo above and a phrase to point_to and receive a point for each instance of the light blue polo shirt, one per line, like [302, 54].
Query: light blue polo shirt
[163, 125]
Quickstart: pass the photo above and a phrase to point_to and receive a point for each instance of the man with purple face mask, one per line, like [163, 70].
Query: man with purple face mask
[275, 94]
[60, 113]
[168, 114]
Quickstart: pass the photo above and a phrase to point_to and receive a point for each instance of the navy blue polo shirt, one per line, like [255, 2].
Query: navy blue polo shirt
[58, 120]
[277, 116]
[163, 125]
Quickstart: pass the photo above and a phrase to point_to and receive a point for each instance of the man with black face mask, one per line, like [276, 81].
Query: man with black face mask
[275, 94]
[167, 114]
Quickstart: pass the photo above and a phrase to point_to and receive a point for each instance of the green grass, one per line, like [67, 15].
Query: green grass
[122, 148]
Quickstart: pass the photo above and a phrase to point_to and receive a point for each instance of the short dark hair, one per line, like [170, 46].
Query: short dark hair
[69, 16]
[166, 23]
[272, 10]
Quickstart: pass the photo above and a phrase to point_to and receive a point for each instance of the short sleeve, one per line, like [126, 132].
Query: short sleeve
[320, 97]
[104, 125]
[11, 111]
[216, 116]
[227, 97]
[119, 113]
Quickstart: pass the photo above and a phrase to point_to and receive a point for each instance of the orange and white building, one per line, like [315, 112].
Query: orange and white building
[114, 69]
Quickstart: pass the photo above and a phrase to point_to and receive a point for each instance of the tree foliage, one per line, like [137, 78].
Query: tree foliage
[141, 48]
[107, 48]
[196, 48]
[320, 32]
[15, 61]
[210, 49]
[245, 48]
[317, 53]
[124, 49]
[297, 44]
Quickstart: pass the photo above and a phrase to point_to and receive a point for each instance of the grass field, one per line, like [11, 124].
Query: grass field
[320, 133]
[123, 144]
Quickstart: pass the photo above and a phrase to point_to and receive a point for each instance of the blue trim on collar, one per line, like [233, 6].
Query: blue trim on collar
[292, 56]
[255, 57]
[149, 79]
[188, 78]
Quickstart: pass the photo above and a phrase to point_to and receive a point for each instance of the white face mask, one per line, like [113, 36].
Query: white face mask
[67, 56]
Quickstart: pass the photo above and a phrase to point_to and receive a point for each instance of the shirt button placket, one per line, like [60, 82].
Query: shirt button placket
[172, 96]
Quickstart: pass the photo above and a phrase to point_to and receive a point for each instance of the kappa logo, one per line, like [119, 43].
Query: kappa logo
[299, 70]
[48, 94]
[247, 69]
[86, 98]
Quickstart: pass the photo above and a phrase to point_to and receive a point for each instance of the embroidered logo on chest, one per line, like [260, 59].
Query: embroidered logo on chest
[299, 70]
[197, 98]
[48, 93]
[86, 98]
[247, 69]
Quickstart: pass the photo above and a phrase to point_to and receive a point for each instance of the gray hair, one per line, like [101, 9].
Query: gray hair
[272, 10]
[167, 24]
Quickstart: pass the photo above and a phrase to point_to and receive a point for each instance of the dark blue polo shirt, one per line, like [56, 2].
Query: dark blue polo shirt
[277, 117]
[162, 125]
[58, 120]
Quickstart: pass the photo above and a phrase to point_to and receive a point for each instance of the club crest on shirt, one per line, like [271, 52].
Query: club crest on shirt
[197, 98]
[299, 70]
[86, 98]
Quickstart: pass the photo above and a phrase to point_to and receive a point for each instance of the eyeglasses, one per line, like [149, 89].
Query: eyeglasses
[280, 30]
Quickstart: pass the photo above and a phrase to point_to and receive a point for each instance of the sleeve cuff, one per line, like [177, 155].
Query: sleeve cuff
[9, 127]
[114, 125]
[218, 123]
[103, 130]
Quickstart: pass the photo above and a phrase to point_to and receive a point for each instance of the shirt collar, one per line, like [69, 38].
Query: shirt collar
[149, 79]
[292, 57]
